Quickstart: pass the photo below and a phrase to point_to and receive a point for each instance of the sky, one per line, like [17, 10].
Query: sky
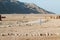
[50, 5]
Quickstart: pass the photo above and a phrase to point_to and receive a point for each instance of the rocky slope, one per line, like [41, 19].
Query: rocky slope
[20, 7]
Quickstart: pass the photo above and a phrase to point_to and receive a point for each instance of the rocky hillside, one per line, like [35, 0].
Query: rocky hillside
[20, 7]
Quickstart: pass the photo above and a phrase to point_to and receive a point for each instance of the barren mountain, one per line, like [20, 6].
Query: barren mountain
[21, 7]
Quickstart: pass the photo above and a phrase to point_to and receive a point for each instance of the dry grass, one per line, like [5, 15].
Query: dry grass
[10, 28]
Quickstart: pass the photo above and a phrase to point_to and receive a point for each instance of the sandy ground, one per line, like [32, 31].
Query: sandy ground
[15, 29]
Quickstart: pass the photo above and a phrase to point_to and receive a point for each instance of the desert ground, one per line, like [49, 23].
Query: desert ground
[29, 27]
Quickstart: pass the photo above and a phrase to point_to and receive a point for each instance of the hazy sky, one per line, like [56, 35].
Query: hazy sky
[50, 5]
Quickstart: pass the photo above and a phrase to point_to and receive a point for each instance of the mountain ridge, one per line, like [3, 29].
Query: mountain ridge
[21, 8]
